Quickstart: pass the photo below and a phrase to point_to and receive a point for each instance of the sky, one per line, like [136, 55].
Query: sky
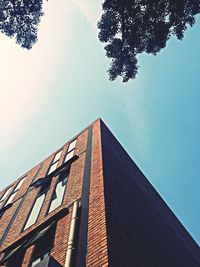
[52, 92]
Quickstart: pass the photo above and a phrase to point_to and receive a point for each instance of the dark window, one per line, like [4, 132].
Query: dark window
[40, 258]
[14, 256]
[43, 241]
[43, 245]
[16, 259]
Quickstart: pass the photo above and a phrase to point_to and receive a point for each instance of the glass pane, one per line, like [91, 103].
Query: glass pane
[35, 211]
[19, 184]
[40, 258]
[72, 145]
[69, 155]
[6, 193]
[36, 262]
[46, 255]
[10, 199]
[58, 195]
[53, 167]
[57, 156]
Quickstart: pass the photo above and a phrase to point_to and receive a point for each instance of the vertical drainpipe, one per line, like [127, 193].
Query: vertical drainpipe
[71, 240]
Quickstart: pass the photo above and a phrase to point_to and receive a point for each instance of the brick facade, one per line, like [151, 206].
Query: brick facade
[97, 232]
[142, 231]
[121, 220]
[73, 192]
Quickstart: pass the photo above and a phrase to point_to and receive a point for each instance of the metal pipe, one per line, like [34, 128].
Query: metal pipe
[70, 245]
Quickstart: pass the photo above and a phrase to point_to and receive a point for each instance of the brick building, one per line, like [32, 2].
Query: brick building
[88, 204]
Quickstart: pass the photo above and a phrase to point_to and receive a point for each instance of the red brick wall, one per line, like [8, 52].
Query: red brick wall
[97, 235]
[27, 256]
[61, 238]
[73, 192]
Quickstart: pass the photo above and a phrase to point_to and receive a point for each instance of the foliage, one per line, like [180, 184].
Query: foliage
[130, 27]
[20, 19]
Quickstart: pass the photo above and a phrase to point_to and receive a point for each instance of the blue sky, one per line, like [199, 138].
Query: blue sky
[52, 92]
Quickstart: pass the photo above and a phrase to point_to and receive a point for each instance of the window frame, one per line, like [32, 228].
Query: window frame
[56, 155]
[55, 186]
[73, 148]
[54, 162]
[22, 253]
[10, 198]
[12, 193]
[39, 256]
[24, 228]
[6, 193]
[51, 229]
[19, 184]
[25, 241]
[71, 151]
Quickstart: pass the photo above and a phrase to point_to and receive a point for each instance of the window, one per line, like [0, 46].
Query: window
[70, 151]
[43, 241]
[6, 194]
[16, 259]
[40, 258]
[72, 145]
[11, 197]
[44, 184]
[69, 155]
[59, 191]
[32, 218]
[19, 184]
[43, 246]
[55, 162]
[57, 156]
[53, 167]
[14, 256]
